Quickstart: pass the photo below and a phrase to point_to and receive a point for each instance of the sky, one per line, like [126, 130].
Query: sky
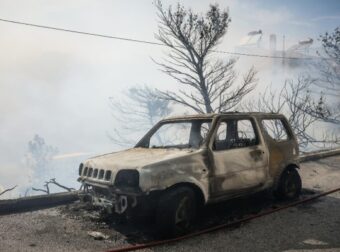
[58, 84]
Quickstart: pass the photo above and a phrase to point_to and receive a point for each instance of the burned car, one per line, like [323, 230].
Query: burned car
[186, 162]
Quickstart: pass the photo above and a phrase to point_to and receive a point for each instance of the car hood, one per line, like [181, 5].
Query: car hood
[135, 158]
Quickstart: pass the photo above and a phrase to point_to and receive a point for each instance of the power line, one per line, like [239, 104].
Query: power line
[266, 56]
[146, 41]
[80, 32]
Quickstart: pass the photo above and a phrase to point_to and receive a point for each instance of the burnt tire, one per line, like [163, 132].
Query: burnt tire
[289, 186]
[176, 212]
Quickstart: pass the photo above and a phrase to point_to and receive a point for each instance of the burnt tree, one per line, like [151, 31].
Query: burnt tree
[295, 101]
[136, 112]
[209, 84]
[329, 70]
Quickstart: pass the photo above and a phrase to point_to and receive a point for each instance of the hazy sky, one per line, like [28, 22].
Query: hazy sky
[57, 84]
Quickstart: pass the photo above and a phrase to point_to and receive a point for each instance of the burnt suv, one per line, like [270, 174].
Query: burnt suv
[186, 162]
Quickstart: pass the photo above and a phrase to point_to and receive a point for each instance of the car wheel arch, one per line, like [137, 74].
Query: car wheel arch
[199, 194]
[279, 173]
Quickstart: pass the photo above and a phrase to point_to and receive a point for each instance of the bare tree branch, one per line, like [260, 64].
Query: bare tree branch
[7, 190]
[136, 112]
[296, 102]
[190, 39]
[52, 181]
[330, 67]
[328, 73]
[41, 190]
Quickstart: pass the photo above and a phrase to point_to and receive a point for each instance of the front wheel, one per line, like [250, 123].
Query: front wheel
[176, 211]
[289, 186]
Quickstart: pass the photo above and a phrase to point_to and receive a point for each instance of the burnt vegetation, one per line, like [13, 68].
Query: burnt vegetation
[209, 84]
[8, 190]
[302, 109]
[141, 106]
[47, 186]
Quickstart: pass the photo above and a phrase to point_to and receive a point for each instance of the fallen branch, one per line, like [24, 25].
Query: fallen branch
[7, 190]
[38, 202]
[40, 190]
[47, 191]
[52, 181]
[314, 155]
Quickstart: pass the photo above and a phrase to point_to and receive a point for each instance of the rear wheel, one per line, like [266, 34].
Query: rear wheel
[289, 186]
[176, 211]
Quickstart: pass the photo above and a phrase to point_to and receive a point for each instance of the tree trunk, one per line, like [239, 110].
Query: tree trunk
[204, 91]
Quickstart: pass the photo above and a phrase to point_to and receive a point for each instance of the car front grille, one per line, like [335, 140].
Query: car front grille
[100, 174]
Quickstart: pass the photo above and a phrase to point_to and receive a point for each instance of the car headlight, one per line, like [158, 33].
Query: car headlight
[128, 178]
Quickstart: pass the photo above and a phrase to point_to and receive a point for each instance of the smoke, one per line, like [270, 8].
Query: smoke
[57, 84]
[71, 155]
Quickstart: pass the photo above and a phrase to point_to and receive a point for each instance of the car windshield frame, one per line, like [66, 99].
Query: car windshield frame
[145, 141]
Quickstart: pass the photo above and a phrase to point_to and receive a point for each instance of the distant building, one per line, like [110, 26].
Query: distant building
[253, 43]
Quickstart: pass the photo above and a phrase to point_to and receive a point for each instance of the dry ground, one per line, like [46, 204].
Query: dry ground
[311, 227]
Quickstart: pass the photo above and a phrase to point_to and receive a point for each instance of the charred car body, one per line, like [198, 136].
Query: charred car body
[185, 162]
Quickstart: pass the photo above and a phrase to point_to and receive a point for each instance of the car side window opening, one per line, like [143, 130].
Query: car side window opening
[180, 134]
[171, 135]
[276, 129]
[234, 133]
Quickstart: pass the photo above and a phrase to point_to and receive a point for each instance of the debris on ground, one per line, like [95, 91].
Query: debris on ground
[98, 235]
[311, 227]
[314, 242]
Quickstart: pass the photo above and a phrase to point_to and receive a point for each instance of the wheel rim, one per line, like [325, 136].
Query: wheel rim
[182, 218]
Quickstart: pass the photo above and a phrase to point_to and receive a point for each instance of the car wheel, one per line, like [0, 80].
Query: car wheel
[289, 186]
[176, 212]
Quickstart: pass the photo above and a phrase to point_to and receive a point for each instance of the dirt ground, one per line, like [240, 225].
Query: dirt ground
[311, 227]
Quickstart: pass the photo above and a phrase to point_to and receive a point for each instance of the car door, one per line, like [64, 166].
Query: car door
[240, 158]
[281, 142]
